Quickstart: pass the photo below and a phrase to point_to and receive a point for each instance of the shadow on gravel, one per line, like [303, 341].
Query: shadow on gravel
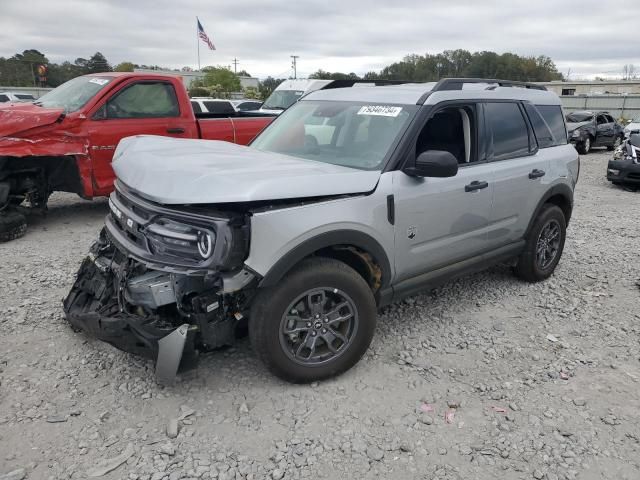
[64, 213]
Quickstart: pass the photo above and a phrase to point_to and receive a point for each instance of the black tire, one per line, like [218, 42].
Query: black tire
[616, 143]
[530, 267]
[267, 321]
[585, 147]
[12, 225]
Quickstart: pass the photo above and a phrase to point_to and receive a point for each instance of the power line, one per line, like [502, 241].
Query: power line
[294, 65]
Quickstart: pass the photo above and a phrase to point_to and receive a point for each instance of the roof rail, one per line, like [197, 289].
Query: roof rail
[347, 82]
[457, 83]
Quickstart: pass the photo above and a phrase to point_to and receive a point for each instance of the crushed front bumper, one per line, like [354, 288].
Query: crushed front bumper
[98, 304]
[92, 306]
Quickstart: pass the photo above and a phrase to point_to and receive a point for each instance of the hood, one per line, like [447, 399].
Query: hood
[183, 171]
[18, 117]
[571, 126]
[632, 126]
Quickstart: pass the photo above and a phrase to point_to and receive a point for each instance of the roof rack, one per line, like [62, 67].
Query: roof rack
[457, 83]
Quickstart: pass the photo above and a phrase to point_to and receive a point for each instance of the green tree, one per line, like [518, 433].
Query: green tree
[243, 73]
[221, 77]
[268, 85]
[322, 75]
[124, 67]
[251, 92]
[98, 64]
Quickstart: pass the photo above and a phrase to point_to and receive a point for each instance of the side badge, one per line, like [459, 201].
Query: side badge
[411, 232]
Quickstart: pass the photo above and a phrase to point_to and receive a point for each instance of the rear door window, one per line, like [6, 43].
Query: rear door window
[4, 98]
[509, 130]
[552, 114]
[144, 100]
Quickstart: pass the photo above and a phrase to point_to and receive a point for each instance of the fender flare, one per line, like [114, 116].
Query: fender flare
[324, 240]
[561, 189]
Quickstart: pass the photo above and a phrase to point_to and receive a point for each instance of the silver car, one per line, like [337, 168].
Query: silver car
[350, 200]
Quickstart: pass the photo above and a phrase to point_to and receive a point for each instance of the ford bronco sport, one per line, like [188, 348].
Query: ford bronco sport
[350, 200]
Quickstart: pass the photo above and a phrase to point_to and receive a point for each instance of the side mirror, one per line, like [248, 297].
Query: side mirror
[434, 163]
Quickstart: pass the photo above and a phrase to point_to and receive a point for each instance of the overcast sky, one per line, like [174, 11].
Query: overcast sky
[588, 37]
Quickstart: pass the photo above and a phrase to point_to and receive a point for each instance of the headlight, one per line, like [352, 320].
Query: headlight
[576, 133]
[205, 244]
[177, 239]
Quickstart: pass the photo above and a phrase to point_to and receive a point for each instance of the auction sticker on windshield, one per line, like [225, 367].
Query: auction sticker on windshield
[381, 110]
[99, 81]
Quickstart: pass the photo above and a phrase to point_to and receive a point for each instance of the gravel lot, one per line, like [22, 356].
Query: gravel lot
[484, 378]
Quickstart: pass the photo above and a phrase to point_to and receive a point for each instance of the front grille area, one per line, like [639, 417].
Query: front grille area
[153, 232]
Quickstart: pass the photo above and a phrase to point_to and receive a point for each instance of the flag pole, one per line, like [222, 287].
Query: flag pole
[198, 42]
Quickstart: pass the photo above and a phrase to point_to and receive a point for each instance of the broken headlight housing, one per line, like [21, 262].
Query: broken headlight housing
[177, 239]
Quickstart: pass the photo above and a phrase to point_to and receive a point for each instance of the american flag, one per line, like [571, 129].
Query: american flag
[204, 36]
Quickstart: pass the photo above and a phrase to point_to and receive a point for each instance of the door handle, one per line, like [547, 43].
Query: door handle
[535, 173]
[475, 185]
[175, 130]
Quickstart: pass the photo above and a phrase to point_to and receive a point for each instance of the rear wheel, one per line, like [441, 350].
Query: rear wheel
[12, 225]
[544, 245]
[585, 147]
[316, 323]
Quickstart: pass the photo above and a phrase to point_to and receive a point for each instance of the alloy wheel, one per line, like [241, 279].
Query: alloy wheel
[548, 244]
[318, 326]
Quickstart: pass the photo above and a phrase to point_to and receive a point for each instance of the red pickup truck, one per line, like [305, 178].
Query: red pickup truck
[65, 140]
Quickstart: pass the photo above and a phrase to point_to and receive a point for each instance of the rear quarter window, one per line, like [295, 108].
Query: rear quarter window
[552, 114]
[4, 98]
[219, 107]
[540, 128]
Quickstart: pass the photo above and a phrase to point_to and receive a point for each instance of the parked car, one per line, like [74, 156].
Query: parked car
[6, 97]
[307, 234]
[588, 129]
[290, 91]
[65, 140]
[633, 127]
[246, 104]
[624, 168]
[203, 105]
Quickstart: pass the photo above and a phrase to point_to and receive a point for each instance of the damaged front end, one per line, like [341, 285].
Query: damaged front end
[162, 283]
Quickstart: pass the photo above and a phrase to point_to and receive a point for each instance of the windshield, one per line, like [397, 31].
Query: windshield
[579, 117]
[282, 99]
[349, 134]
[74, 94]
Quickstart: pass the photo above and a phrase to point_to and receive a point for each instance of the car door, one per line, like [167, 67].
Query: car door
[441, 221]
[138, 108]
[519, 169]
[604, 131]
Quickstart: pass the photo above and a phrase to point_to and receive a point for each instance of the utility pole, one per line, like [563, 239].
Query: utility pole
[235, 65]
[294, 64]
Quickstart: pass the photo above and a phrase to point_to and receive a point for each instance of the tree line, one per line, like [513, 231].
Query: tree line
[21, 70]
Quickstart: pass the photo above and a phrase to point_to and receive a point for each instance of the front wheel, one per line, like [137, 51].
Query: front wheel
[544, 245]
[584, 147]
[316, 323]
[12, 225]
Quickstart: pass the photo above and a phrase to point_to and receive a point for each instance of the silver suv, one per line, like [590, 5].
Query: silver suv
[353, 198]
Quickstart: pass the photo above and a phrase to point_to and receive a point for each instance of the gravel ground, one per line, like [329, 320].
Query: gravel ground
[486, 377]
